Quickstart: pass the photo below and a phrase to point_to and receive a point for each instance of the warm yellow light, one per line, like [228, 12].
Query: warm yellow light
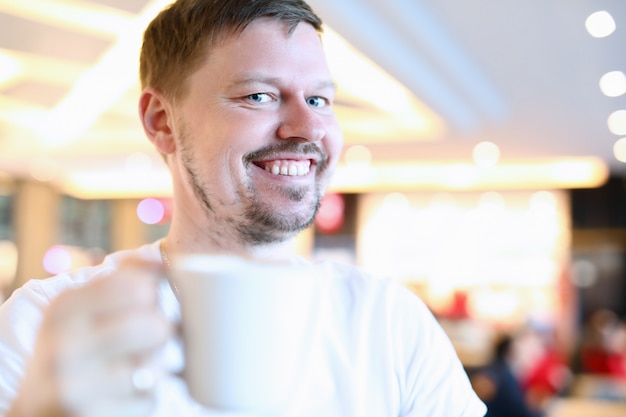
[600, 24]
[572, 170]
[19, 114]
[87, 17]
[386, 108]
[459, 176]
[118, 184]
[101, 86]
[613, 84]
[149, 179]
[543, 174]
[354, 71]
[9, 68]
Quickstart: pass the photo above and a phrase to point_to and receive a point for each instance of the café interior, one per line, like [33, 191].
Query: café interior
[484, 167]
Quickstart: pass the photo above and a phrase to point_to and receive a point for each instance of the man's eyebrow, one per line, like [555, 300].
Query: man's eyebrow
[328, 84]
[245, 80]
[252, 79]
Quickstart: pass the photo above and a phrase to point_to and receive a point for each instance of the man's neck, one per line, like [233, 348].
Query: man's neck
[182, 242]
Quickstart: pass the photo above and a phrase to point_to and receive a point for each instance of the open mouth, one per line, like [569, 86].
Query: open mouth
[288, 167]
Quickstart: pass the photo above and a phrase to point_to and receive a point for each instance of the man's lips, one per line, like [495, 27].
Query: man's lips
[289, 158]
[289, 167]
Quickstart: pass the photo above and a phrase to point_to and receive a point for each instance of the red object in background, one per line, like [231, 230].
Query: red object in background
[600, 361]
[458, 308]
[331, 214]
[548, 376]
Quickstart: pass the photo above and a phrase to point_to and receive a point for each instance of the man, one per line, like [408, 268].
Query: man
[238, 98]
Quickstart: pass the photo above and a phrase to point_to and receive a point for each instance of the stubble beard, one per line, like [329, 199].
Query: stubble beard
[259, 222]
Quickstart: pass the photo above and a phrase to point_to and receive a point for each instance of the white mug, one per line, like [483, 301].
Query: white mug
[246, 329]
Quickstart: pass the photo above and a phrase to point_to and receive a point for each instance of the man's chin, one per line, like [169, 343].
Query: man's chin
[271, 226]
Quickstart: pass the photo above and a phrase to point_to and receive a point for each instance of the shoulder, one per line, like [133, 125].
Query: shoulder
[42, 291]
[22, 312]
[356, 298]
[356, 284]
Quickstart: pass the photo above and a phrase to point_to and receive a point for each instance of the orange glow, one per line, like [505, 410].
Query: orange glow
[504, 250]
[547, 174]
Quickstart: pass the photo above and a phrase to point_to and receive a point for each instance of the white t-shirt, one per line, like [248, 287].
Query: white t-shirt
[383, 353]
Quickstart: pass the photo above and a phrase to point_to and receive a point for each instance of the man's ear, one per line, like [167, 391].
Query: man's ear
[156, 119]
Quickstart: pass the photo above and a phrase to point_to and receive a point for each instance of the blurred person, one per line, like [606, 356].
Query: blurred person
[498, 383]
[237, 96]
[603, 348]
[549, 375]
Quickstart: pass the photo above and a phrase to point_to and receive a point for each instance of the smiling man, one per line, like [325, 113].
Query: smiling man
[238, 98]
[261, 121]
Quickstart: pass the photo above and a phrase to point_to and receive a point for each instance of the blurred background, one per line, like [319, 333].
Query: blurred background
[484, 162]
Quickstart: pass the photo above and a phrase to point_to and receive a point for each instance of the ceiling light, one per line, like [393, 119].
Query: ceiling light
[486, 154]
[613, 84]
[617, 122]
[109, 80]
[88, 17]
[547, 174]
[600, 24]
[619, 150]
[9, 68]
[353, 74]
[363, 82]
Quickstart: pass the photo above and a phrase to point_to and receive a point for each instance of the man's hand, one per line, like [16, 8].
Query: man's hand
[94, 351]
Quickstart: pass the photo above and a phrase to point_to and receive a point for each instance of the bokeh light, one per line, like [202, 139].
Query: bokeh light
[330, 216]
[150, 211]
[619, 150]
[613, 84]
[359, 155]
[486, 154]
[43, 169]
[600, 24]
[617, 122]
[57, 259]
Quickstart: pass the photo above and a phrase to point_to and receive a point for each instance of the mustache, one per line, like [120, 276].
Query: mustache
[273, 151]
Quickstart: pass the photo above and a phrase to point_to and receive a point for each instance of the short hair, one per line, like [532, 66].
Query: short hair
[179, 39]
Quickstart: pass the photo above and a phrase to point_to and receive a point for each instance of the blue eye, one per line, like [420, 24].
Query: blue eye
[259, 97]
[316, 101]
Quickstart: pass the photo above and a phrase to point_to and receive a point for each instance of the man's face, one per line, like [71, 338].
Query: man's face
[257, 138]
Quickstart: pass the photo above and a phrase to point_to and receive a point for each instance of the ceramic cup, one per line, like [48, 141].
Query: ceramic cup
[246, 327]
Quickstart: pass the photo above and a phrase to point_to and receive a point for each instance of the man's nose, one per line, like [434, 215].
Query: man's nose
[300, 121]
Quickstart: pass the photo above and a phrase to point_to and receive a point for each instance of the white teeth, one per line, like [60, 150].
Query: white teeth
[291, 168]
